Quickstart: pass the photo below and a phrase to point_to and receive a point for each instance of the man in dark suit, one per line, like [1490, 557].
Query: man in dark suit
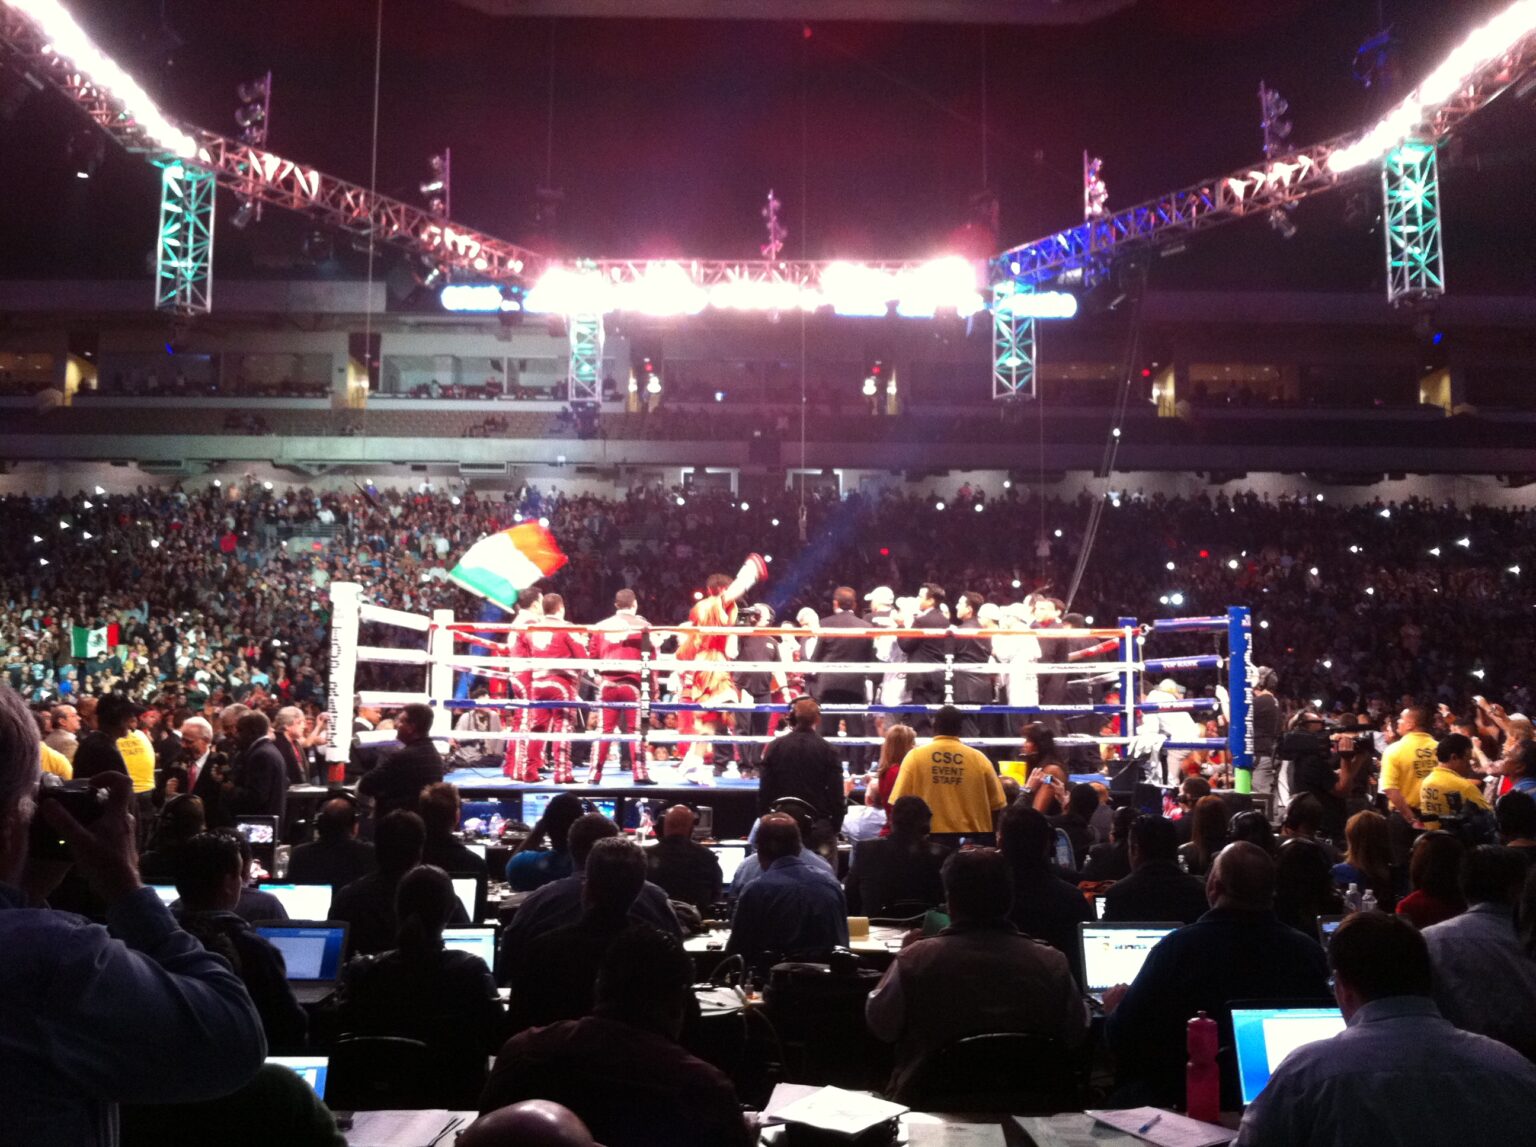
[971, 688]
[801, 764]
[926, 688]
[335, 857]
[758, 685]
[396, 782]
[197, 771]
[258, 783]
[844, 688]
[1156, 890]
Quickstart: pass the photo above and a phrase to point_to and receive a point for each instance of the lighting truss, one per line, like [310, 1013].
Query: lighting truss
[584, 380]
[1410, 181]
[1014, 346]
[184, 252]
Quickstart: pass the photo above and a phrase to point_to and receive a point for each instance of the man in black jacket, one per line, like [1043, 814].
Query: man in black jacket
[971, 688]
[335, 857]
[756, 684]
[258, 783]
[844, 688]
[397, 781]
[926, 688]
[801, 764]
[1156, 890]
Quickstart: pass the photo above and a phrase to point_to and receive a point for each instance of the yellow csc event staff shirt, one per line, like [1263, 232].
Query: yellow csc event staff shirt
[959, 784]
[139, 756]
[1446, 792]
[1406, 763]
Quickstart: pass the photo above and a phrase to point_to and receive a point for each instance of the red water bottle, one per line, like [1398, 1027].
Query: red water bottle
[1202, 1082]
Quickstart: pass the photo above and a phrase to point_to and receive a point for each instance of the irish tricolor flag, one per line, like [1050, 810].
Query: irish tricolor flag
[89, 642]
[499, 566]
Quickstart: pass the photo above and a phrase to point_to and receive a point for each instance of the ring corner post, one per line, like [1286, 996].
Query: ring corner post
[346, 606]
[1130, 695]
[1240, 691]
[440, 673]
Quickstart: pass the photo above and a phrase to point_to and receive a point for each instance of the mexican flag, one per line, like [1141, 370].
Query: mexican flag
[497, 567]
[89, 642]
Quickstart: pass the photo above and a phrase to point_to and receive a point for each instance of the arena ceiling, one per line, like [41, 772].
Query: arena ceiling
[900, 11]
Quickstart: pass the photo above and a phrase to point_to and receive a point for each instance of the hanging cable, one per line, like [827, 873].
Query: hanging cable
[1111, 452]
[805, 55]
[373, 188]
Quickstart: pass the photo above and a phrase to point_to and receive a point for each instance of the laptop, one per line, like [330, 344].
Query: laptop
[302, 901]
[167, 893]
[1264, 1032]
[313, 952]
[477, 849]
[312, 1069]
[1326, 927]
[730, 857]
[464, 887]
[476, 941]
[1114, 953]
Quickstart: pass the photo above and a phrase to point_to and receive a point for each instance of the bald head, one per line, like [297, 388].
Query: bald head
[679, 821]
[778, 836]
[1242, 877]
[532, 1123]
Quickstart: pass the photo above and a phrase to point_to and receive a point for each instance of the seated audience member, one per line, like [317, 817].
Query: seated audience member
[1156, 889]
[440, 811]
[368, 903]
[1102, 822]
[209, 881]
[1304, 819]
[420, 990]
[335, 857]
[1207, 835]
[396, 781]
[1254, 827]
[1434, 871]
[531, 1123]
[1367, 859]
[1304, 887]
[795, 909]
[543, 856]
[255, 904]
[276, 1106]
[978, 975]
[93, 1016]
[751, 866]
[621, 1069]
[1485, 981]
[1082, 803]
[1399, 1072]
[904, 866]
[1112, 860]
[553, 980]
[179, 821]
[1191, 791]
[682, 867]
[1516, 817]
[1045, 906]
[560, 902]
[1239, 950]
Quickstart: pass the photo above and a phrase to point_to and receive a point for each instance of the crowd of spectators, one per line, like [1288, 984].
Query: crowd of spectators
[1351, 602]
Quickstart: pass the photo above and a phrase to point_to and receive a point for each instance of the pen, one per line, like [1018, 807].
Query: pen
[1149, 1124]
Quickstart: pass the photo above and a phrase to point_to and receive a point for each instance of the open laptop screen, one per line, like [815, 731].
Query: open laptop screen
[1114, 953]
[312, 1069]
[311, 951]
[302, 901]
[730, 857]
[476, 941]
[1264, 1036]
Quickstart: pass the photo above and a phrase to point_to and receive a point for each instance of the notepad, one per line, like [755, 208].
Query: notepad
[1169, 1130]
[841, 1112]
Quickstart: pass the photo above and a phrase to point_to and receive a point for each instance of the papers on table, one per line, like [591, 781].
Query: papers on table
[922, 1133]
[1165, 1128]
[1073, 1129]
[407, 1128]
[841, 1112]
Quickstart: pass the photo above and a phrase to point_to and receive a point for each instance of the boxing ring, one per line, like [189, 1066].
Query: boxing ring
[446, 650]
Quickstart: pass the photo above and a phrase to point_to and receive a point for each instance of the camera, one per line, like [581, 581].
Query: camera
[85, 803]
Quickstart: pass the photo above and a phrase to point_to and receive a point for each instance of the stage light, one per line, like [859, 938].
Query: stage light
[869, 387]
[438, 188]
[634, 386]
[653, 385]
[1231, 563]
[67, 40]
[1008, 300]
[1095, 190]
[1115, 432]
[1163, 600]
[1482, 45]
[254, 115]
[1176, 598]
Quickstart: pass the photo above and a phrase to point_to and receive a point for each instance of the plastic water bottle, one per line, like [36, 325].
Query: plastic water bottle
[1368, 901]
[647, 827]
[1352, 898]
[1202, 1080]
[498, 823]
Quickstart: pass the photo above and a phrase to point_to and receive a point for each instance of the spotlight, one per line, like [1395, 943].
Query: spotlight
[254, 114]
[244, 214]
[436, 277]
[438, 188]
[869, 387]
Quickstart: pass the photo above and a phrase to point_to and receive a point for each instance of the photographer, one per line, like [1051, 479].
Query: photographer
[94, 1016]
[1323, 765]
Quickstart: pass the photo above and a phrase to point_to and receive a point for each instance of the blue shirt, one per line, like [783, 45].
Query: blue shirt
[795, 908]
[91, 1017]
[536, 867]
[751, 867]
[1485, 981]
[1399, 1074]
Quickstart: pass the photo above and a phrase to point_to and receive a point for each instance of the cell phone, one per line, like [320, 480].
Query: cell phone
[85, 803]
